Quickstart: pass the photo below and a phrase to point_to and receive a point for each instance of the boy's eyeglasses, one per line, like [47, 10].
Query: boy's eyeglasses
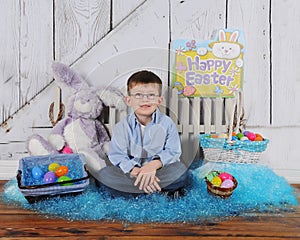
[149, 96]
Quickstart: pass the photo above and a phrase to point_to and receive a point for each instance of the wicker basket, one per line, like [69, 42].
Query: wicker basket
[221, 191]
[226, 150]
[220, 150]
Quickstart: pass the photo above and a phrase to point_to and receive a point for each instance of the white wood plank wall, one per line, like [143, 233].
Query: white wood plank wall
[106, 40]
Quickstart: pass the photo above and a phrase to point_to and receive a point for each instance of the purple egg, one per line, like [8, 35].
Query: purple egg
[246, 133]
[227, 183]
[49, 177]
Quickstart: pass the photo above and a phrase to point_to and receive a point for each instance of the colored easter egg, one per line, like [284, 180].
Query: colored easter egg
[179, 87]
[240, 135]
[251, 136]
[37, 173]
[216, 181]
[258, 135]
[222, 135]
[227, 183]
[214, 136]
[49, 177]
[258, 139]
[211, 175]
[61, 171]
[225, 175]
[189, 90]
[67, 150]
[244, 138]
[234, 138]
[245, 133]
[63, 179]
[233, 133]
[53, 166]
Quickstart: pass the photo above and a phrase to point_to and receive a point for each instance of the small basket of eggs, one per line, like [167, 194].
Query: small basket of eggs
[220, 184]
[236, 146]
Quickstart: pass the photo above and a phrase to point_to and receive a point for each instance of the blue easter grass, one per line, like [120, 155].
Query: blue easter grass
[259, 190]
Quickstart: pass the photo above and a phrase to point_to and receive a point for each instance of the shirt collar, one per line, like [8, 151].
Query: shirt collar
[134, 121]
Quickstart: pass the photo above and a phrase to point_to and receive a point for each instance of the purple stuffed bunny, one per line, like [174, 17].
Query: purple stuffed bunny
[80, 131]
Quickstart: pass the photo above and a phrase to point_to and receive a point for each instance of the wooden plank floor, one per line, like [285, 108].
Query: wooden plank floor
[22, 224]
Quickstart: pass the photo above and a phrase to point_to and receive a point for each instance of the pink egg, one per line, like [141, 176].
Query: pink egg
[227, 183]
[67, 150]
[225, 176]
[251, 136]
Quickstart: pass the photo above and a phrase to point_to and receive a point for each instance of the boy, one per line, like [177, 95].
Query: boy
[145, 146]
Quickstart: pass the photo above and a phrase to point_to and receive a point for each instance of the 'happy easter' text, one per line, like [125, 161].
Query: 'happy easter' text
[193, 77]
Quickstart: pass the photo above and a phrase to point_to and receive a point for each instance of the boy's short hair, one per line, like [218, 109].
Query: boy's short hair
[143, 77]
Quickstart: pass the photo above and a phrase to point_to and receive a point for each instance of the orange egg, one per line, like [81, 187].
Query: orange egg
[258, 138]
[258, 135]
[214, 136]
[61, 171]
[233, 134]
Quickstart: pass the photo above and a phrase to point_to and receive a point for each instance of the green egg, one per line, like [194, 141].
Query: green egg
[240, 135]
[211, 175]
[63, 179]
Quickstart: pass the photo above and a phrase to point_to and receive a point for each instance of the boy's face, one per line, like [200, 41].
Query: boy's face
[144, 99]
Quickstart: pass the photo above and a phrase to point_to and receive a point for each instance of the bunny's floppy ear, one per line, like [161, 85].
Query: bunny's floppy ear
[112, 97]
[64, 75]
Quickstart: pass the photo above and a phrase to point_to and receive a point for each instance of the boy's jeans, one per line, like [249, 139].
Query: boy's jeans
[172, 177]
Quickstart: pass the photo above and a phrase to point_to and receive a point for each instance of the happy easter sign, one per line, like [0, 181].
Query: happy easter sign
[210, 68]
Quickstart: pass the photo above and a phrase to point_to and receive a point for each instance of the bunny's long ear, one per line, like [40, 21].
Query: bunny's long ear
[65, 76]
[222, 36]
[112, 97]
[234, 36]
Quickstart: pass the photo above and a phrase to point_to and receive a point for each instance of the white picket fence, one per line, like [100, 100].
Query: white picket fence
[192, 117]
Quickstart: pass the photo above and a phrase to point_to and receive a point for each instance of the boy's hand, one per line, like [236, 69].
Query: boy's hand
[148, 189]
[135, 171]
[146, 177]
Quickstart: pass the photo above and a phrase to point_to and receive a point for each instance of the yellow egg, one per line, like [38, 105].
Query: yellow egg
[53, 166]
[217, 181]
[222, 135]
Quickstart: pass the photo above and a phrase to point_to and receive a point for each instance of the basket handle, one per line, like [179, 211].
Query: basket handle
[238, 104]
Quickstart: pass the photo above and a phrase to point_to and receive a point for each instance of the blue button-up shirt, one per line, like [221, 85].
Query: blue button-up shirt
[161, 139]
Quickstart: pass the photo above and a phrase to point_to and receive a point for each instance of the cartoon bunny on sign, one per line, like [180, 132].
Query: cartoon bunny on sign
[227, 46]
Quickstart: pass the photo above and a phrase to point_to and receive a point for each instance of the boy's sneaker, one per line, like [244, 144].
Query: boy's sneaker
[175, 194]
